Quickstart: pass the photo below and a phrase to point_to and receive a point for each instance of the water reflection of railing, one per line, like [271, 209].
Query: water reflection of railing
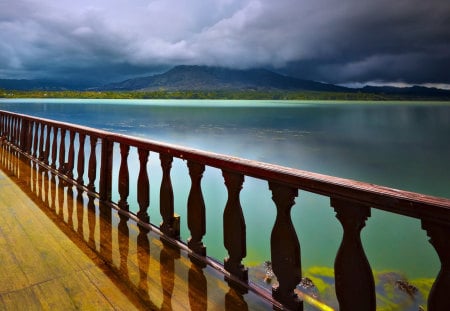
[45, 141]
[138, 256]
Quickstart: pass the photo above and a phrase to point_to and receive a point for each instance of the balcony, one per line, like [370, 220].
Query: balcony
[150, 265]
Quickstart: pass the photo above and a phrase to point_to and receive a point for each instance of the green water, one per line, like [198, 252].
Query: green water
[401, 145]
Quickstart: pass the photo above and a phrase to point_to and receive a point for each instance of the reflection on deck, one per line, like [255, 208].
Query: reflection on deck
[63, 249]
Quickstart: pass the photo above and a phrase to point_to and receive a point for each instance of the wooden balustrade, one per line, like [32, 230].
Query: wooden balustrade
[44, 142]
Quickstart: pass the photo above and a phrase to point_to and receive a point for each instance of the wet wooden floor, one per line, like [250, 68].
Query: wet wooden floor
[60, 250]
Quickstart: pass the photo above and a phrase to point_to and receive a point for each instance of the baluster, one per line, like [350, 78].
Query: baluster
[10, 133]
[7, 122]
[171, 223]
[6, 127]
[11, 129]
[36, 137]
[18, 127]
[355, 287]
[196, 209]
[23, 135]
[124, 177]
[62, 151]
[54, 146]
[438, 299]
[47, 145]
[80, 163]
[71, 156]
[2, 120]
[285, 248]
[105, 183]
[92, 169]
[2, 123]
[143, 186]
[234, 227]
[41, 143]
[29, 137]
[19, 132]
[16, 138]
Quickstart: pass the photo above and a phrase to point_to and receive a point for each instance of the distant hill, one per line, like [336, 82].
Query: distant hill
[217, 79]
[413, 91]
[204, 78]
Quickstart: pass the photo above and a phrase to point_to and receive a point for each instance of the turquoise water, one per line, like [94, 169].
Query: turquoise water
[401, 145]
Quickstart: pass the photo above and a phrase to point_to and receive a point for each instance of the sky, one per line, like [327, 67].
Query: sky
[347, 42]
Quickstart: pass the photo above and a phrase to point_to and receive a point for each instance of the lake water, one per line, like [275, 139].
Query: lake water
[401, 145]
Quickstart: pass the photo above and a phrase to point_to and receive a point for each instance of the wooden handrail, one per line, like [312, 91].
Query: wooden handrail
[352, 201]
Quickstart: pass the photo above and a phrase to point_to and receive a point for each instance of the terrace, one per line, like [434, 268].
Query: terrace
[67, 243]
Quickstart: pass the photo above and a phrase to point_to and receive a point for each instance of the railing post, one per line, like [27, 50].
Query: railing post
[285, 248]
[234, 231]
[171, 223]
[196, 209]
[106, 170]
[355, 286]
[438, 299]
[143, 186]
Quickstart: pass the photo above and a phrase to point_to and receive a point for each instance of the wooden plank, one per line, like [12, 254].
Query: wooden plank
[42, 269]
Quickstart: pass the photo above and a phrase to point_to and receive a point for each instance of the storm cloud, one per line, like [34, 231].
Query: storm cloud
[344, 42]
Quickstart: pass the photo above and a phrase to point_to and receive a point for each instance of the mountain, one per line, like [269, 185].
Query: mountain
[204, 78]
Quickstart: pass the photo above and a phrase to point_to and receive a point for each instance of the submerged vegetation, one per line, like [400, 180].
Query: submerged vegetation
[394, 292]
[229, 95]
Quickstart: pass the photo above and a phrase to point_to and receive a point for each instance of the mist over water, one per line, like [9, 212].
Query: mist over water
[400, 145]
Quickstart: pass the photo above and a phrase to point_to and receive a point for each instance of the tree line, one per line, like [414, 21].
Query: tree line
[229, 95]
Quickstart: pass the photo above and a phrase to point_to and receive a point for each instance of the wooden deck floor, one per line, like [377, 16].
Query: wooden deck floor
[60, 250]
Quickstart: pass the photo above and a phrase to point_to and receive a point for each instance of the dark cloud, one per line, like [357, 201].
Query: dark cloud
[339, 42]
